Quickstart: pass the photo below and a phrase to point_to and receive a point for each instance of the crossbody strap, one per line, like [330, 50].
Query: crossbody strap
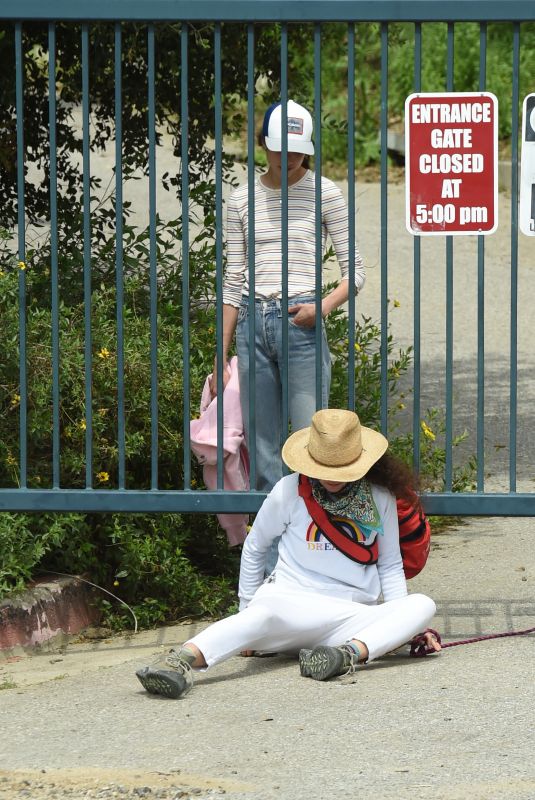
[353, 550]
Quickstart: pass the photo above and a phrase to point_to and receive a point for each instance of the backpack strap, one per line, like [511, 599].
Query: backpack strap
[340, 540]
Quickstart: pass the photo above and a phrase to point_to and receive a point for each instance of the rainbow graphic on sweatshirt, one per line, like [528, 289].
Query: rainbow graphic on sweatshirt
[348, 526]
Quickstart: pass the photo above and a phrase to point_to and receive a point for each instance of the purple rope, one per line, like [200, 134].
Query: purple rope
[420, 649]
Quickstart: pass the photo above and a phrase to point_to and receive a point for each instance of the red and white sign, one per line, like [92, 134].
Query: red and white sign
[451, 163]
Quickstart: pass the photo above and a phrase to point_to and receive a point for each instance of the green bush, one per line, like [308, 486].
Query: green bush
[26, 539]
[163, 560]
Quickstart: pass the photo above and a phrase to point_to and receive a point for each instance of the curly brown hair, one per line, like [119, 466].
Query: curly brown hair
[392, 473]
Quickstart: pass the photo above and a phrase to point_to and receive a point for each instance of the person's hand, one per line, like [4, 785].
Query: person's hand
[432, 641]
[303, 314]
[212, 380]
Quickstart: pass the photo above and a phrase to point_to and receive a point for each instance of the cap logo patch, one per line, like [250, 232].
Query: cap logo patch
[295, 125]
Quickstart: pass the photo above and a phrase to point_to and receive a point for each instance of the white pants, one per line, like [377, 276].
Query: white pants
[284, 619]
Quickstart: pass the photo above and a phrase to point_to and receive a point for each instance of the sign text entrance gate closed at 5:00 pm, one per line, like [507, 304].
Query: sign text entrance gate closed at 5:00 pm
[451, 144]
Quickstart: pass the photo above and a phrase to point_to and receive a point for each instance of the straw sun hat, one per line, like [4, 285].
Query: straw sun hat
[336, 447]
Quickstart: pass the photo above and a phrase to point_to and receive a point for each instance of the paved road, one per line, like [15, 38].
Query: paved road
[453, 727]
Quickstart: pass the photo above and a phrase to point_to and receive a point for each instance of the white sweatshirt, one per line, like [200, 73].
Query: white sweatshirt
[308, 560]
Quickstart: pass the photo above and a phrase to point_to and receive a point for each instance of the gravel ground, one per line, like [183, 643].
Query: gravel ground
[58, 786]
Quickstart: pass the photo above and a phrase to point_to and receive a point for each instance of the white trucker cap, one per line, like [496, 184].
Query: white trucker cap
[299, 129]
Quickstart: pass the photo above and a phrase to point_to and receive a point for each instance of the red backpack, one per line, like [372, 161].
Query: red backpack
[414, 536]
[414, 533]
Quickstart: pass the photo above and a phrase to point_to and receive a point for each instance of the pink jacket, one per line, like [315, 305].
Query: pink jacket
[203, 432]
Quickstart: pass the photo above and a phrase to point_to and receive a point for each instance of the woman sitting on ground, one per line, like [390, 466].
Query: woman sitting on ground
[319, 601]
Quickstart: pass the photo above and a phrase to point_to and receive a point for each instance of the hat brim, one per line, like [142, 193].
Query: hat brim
[294, 146]
[295, 454]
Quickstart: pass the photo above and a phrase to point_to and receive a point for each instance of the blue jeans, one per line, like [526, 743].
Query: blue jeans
[268, 383]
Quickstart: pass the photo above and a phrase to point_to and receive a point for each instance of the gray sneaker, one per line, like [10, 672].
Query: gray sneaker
[170, 675]
[324, 662]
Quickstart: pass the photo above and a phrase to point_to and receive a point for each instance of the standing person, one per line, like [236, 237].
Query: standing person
[268, 287]
[319, 601]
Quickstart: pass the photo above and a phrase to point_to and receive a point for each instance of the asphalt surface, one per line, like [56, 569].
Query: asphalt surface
[461, 725]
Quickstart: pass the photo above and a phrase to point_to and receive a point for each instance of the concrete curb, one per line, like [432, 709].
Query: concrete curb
[46, 615]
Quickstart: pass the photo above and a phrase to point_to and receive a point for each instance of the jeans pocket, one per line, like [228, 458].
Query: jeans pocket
[302, 328]
[242, 314]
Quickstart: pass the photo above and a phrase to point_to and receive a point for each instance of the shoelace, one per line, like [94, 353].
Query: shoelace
[353, 659]
[174, 661]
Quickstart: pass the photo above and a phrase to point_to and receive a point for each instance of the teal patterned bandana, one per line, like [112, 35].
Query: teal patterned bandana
[355, 502]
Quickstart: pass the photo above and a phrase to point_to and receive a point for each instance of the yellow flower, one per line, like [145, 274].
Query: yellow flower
[358, 348]
[103, 353]
[22, 265]
[15, 400]
[116, 583]
[82, 425]
[10, 461]
[193, 483]
[102, 477]
[103, 411]
[427, 431]
[396, 304]
[2, 273]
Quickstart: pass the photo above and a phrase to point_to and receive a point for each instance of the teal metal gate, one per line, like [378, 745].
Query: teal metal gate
[26, 490]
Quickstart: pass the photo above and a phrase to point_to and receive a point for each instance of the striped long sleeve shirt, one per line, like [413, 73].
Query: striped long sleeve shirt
[301, 239]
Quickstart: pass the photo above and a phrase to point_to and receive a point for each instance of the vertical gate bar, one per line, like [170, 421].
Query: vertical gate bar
[251, 249]
[119, 278]
[284, 225]
[151, 121]
[21, 234]
[448, 473]
[218, 130]
[184, 134]
[351, 178]
[480, 448]
[417, 288]
[54, 277]
[317, 208]
[384, 228]
[513, 389]
[87, 258]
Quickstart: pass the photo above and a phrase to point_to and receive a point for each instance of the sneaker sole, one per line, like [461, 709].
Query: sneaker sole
[322, 663]
[162, 683]
[304, 669]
